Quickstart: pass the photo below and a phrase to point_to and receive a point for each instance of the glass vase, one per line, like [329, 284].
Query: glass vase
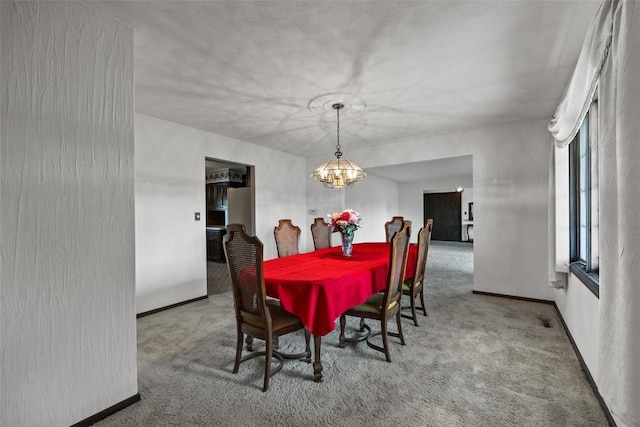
[347, 244]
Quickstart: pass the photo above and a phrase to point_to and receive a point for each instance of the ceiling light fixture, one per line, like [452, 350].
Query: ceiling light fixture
[338, 173]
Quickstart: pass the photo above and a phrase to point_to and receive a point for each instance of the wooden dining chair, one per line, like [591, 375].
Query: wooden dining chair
[383, 306]
[287, 237]
[414, 286]
[254, 316]
[392, 227]
[321, 234]
[407, 223]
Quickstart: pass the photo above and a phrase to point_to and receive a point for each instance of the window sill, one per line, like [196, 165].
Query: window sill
[590, 280]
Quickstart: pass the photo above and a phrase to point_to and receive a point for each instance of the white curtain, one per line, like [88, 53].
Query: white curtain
[620, 218]
[618, 78]
[566, 121]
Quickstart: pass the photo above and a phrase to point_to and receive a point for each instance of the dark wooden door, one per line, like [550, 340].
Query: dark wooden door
[446, 211]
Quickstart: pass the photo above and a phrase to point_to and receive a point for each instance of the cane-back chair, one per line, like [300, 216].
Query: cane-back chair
[406, 223]
[287, 237]
[321, 233]
[254, 316]
[384, 305]
[392, 227]
[414, 286]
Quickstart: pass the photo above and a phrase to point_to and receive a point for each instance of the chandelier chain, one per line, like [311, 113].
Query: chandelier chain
[338, 153]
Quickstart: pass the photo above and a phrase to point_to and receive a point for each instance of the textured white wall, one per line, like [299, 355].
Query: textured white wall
[170, 245]
[377, 200]
[510, 186]
[511, 197]
[67, 314]
[323, 200]
[580, 308]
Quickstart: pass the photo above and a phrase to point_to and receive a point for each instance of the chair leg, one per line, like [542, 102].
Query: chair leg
[236, 365]
[362, 324]
[307, 339]
[343, 322]
[385, 343]
[267, 363]
[424, 307]
[399, 322]
[413, 308]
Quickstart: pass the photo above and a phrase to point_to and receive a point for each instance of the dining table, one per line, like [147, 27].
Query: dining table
[319, 286]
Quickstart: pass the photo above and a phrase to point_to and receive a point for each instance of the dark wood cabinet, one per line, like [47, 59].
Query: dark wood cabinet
[217, 196]
[220, 195]
[215, 250]
[216, 204]
[209, 193]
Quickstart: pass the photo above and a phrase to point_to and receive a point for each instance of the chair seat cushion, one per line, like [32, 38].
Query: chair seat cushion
[373, 305]
[280, 318]
[272, 301]
[406, 287]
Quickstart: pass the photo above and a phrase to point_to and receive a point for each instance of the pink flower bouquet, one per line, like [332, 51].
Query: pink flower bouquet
[346, 221]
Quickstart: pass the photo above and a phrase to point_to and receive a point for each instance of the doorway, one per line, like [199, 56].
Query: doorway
[230, 198]
[446, 211]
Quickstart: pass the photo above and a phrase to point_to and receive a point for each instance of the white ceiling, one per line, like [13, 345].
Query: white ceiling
[249, 70]
[432, 170]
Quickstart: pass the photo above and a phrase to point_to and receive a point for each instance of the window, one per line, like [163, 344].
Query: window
[583, 202]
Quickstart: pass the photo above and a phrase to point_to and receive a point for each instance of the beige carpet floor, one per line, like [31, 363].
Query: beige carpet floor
[475, 361]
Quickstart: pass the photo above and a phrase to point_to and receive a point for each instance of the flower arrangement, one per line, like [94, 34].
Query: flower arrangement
[346, 221]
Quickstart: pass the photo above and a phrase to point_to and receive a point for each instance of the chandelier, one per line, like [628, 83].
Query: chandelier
[338, 173]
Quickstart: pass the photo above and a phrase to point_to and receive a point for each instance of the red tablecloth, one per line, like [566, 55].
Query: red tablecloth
[319, 286]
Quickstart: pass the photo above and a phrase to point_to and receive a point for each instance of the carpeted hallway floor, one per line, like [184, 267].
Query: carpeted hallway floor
[218, 280]
[474, 361]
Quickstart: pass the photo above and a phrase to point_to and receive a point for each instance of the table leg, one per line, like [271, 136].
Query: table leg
[317, 363]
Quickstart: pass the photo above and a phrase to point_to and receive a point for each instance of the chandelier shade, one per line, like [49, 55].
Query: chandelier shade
[338, 173]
